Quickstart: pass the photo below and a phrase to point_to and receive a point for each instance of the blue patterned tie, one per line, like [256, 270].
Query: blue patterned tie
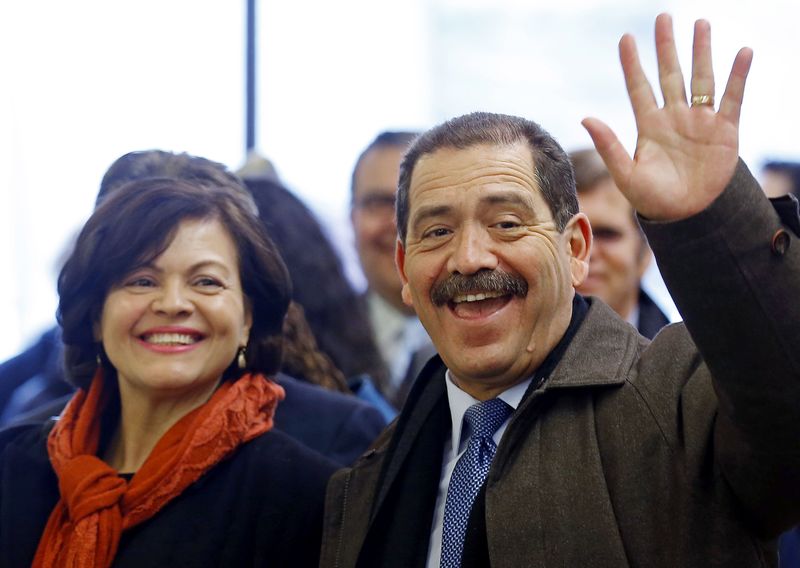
[469, 474]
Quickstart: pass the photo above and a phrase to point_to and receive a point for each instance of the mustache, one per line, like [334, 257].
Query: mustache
[484, 280]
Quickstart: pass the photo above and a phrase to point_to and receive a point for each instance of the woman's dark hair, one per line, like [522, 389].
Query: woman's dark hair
[302, 357]
[134, 225]
[144, 164]
[334, 311]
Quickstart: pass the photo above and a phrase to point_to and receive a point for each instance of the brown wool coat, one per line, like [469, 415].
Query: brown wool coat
[683, 452]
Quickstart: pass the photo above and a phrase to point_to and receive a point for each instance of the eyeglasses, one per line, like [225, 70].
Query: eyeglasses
[376, 205]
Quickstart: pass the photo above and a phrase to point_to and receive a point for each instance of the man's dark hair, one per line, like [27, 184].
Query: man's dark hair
[589, 169]
[551, 165]
[387, 139]
[789, 169]
[132, 227]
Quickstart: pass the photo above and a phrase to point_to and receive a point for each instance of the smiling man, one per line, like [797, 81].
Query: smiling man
[483, 260]
[549, 432]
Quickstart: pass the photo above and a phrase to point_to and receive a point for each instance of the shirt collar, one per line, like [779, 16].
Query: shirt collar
[460, 401]
[633, 317]
[387, 323]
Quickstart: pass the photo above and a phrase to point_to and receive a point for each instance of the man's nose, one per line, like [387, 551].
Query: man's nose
[173, 299]
[473, 251]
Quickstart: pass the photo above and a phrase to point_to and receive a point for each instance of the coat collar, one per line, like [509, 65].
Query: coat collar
[601, 353]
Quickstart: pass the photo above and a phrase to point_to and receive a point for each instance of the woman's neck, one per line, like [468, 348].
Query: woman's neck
[143, 420]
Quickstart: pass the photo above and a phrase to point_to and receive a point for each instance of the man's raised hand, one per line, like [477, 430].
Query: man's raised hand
[686, 152]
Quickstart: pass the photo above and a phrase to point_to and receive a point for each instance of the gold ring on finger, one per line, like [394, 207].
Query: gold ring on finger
[702, 100]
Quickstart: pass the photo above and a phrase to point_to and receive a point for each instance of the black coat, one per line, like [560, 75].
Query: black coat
[338, 426]
[651, 318]
[260, 507]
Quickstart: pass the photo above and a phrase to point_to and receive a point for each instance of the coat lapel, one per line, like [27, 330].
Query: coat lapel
[402, 513]
[423, 400]
[549, 459]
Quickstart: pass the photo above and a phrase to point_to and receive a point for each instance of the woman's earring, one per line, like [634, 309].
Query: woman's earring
[99, 360]
[241, 359]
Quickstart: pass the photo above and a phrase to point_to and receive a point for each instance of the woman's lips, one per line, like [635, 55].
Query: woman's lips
[170, 340]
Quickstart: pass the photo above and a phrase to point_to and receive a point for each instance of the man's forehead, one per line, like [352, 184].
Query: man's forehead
[382, 157]
[489, 176]
[476, 164]
[380, 166]
[604, 195]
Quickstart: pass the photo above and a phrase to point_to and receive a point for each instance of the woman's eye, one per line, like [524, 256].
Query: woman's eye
[207, 282]
[140, 282]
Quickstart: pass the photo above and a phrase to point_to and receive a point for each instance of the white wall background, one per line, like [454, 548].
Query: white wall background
[88, 80]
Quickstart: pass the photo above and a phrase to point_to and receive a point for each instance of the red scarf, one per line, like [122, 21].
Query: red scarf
[96, 505]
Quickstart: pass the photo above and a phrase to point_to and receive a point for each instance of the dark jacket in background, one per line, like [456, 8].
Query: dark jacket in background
[338, 426]
[33, 378]
[651, 318]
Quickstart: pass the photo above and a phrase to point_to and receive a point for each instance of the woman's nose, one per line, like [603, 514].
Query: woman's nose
[172, 300]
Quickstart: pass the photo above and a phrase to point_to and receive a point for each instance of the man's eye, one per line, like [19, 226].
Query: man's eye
[606, 235]
[436, 233]
[507, 225]
[375, 204]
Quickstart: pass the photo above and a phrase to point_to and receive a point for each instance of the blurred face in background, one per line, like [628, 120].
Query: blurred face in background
[776, 184]
[372, 215]
[620, 254]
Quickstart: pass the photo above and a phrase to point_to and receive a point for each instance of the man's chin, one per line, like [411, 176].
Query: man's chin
[483, 371]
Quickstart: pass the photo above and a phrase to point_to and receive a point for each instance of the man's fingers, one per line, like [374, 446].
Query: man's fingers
[669, 69]
[639, 90]
[702, 71]
[731, 105]
[615, 156]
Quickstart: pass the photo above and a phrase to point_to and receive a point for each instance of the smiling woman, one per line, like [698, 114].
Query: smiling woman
[172, 326]
[172, 306]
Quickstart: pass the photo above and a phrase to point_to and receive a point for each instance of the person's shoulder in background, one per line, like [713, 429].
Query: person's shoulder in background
[338, 426]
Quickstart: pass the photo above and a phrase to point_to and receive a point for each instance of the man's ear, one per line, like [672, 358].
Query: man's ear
[578, 233]
[400, 261]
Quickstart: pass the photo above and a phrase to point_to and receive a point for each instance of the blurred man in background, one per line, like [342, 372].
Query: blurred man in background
[403, 342]
[779, 178]
[621, 254]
